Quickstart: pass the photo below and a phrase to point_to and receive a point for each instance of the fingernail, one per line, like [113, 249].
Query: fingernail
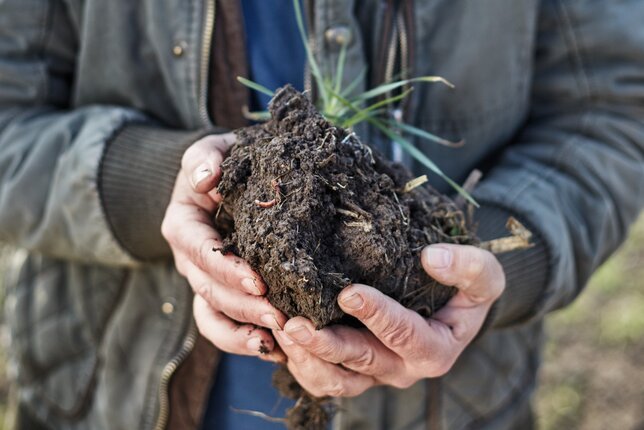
[285, 339]
[202, 172]
[254, 344]
[354, 301]
[270, 321]
[436, 257]
[299, 333]
[251, 286]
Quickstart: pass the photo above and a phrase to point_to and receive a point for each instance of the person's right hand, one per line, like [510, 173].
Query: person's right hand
[229, 305]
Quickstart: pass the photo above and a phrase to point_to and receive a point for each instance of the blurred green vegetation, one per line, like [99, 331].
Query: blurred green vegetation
[6, 409]
[593, 372]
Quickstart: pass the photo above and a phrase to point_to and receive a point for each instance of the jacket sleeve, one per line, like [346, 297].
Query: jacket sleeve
[575, 173]
[66, 174]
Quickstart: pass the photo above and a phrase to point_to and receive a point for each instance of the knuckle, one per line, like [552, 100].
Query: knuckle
[475, 267]
[314, 390]
[403, 382]
[205, 290]
[297, 357]
[440, 368]
[180, 265]
[166, 232]
[370, 309]
[362, 361]
[396, 334]
[336, 389]
[242, 314]
[329, 350]
[200, 328]
[228, 273]
[167, 229]
[203, 252]
[194, 152]
[199, 254]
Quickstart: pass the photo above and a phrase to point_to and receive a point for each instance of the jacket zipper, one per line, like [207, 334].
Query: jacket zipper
[391, 57]
[399, 43]
[168, 371]
[404, 46]
[206, 44]
[191, 338]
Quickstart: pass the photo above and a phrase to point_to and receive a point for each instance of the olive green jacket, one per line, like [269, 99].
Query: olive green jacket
[98, 100]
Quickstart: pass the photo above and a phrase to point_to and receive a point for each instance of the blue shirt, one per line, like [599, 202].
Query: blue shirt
[276, 57]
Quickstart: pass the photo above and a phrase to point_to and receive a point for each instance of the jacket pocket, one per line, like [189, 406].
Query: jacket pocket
[485, 49]
[57, 312]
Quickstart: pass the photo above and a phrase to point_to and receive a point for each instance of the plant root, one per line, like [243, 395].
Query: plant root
[519, 240]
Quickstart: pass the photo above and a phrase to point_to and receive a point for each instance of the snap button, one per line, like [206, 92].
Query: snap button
[167, 308]
[339, 35]
[179, 49]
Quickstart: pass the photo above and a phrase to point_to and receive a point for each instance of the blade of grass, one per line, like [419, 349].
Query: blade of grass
[406, 145]
[361, 116]
[385, 88]
[349, 88]
[337, 82]
[258, 116]
[422, 158]
[425, 135]
[339, 72]
[315, 69]
[255, 86]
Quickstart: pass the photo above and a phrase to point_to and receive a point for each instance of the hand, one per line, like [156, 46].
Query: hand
[228, 293]
[398, 347]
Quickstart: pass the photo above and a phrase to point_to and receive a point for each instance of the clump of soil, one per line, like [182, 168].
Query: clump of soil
[314, 209]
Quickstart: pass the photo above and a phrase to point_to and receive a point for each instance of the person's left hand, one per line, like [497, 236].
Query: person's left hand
[398, 347]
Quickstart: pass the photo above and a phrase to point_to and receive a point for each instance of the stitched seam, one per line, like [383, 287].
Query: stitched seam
[565, 27]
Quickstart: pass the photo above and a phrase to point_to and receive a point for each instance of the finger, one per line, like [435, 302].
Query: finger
[275, 356]
[464, 321]
[198, 242]
[229, 336]
[201, 161]
[319, 377]
[355, 349]
[401, 330]
[474, 271]
[236, 305]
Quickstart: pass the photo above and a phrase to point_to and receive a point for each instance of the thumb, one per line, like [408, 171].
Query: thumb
[201, 161]
[475, 272]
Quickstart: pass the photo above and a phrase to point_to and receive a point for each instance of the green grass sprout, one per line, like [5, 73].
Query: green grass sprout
[345, 110]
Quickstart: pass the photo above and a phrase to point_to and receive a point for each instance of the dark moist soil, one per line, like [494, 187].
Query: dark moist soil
[312, 209]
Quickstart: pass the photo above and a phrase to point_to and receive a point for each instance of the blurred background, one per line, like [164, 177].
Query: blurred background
[593, 372]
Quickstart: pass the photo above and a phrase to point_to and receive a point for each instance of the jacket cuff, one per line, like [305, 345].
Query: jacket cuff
[526, 271]
[135, 182]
